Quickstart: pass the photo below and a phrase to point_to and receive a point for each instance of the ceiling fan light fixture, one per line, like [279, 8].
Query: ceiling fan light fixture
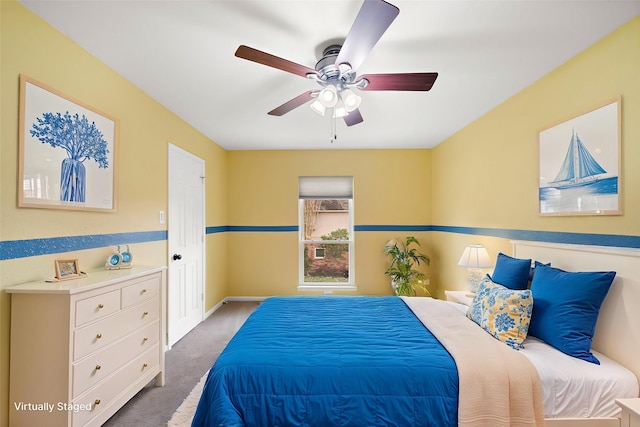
[340, 110]
[351, 100]
[336, 71]
[328, 96]
[318, 107]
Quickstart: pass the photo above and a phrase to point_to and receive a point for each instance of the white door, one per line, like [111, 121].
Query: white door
[185, 243]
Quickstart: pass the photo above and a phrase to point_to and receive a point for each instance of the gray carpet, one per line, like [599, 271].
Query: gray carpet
[185, 364]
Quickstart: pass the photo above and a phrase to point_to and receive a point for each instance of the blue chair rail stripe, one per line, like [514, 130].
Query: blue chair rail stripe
[617, 240]
[12, 249]
[261, 228]
[405, 228]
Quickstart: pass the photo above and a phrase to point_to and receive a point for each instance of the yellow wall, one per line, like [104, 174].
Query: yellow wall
[486, 175]
[391, 187]
[33, 48]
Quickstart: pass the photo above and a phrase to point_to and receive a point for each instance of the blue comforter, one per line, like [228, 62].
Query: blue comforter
[331, 361]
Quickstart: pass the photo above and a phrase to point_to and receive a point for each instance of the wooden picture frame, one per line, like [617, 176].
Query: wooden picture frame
[67, 269]
[57, 169]
[580, 163]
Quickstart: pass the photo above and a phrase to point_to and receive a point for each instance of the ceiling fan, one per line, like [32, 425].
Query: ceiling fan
[335, 72]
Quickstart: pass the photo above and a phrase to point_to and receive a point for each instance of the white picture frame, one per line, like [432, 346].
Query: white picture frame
[580, 163]
[67, 155]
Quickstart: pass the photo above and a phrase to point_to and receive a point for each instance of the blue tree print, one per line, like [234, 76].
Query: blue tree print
[81, 140]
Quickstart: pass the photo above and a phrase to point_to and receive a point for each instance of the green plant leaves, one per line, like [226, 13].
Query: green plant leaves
[404, 277]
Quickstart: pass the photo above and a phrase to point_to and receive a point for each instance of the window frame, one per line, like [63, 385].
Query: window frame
[349, 285]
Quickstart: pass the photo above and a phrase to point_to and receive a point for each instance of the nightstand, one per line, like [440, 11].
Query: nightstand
[461, 297]
[630, 416]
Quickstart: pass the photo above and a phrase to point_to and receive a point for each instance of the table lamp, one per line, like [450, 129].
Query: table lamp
[474, 258]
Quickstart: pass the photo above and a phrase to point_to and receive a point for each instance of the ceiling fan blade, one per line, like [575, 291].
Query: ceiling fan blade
[294, 103]
[372, 21]
[353, 118]
[402, 81]
[255, 55]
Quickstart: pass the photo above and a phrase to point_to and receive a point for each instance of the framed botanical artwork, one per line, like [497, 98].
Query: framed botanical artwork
[67, 156]
[67, 269]
[580, 162]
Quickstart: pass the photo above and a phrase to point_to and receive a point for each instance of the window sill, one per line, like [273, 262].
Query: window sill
[327, 287]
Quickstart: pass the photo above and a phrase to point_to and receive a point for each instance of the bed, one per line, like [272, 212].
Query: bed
[369, 361]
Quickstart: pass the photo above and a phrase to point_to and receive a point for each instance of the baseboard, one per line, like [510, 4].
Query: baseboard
[213, 310]
[228, 299]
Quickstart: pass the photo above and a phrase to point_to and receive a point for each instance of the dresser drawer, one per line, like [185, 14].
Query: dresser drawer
[97, 307]
[138, 292]
[100, 365]
[97, 399]
[100, 334]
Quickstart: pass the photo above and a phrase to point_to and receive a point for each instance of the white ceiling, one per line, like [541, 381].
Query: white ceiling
[181, 53]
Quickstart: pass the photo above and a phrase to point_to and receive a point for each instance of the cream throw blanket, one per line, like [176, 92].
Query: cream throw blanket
[497, 385]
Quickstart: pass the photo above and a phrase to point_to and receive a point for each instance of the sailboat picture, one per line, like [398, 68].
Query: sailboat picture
[579, 164]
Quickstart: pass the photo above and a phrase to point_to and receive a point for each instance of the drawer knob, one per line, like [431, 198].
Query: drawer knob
[97, 402]
[100, 305]
[98, 336]
[98, 367]
[143, 291]
[146, 313]
[145, 339]
[144, 365]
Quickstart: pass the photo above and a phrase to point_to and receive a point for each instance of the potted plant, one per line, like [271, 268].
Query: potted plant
[404, 278]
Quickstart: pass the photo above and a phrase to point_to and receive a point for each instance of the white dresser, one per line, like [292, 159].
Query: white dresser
[80, 349]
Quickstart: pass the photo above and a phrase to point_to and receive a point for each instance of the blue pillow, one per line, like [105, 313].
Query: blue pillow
[533, 269]
[512, 273]
[566, 307]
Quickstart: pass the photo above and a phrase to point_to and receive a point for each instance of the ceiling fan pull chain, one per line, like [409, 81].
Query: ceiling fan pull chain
[334, 134]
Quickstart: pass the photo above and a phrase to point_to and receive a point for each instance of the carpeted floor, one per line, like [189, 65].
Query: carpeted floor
[183, 416]
[186, 363]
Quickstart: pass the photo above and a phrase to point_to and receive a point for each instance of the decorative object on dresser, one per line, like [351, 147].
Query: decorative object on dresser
[93, 342]
[67, 269]
[474, 258]
[113, 261]
[127, 257]
[404, 278]
[118, 259]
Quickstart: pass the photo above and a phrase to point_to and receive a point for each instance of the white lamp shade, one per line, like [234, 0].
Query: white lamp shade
[351, 100]
[475, 256]
[339, 110]
[317, 106]
[328, 96]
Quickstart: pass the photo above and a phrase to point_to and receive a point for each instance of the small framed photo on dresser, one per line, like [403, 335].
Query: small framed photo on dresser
[67, 269]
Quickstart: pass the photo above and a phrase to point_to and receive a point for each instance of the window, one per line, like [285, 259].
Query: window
[325, 209]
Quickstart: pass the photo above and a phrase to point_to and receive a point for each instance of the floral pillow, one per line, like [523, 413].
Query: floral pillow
[475, 311]
[502, 312]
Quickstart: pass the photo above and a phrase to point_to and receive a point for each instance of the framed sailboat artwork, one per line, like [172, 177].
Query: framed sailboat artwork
[580, 164]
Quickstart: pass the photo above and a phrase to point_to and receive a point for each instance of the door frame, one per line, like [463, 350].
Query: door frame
[175, 150]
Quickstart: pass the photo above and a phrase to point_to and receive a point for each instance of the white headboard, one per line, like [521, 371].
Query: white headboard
[618, 330]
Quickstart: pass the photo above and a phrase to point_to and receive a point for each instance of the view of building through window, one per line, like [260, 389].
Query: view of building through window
[327, 240]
